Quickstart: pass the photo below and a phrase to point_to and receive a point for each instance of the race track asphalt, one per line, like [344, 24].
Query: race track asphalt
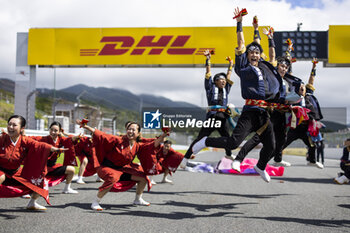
[304, 199]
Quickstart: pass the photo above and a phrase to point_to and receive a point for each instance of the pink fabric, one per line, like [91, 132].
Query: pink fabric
[122, 186]
[314, 127]
[13, 191]
[301, 115]
[55, 180]
[247, 167]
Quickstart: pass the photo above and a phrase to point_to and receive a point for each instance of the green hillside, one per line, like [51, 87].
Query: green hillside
[7, 107]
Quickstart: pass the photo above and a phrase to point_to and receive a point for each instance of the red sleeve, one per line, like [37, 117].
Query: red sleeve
[2, 139]
[104, 143]
[69, 155]
[36, 138]
[172, 160]
[79, 146]
[159, 152]
[148, 158]
[34, 166]
[146, 140]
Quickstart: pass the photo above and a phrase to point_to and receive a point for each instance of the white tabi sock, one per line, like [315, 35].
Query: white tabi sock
[67, 186]
[95, 205]
[139, 201]
[31, 202]
[138, 196]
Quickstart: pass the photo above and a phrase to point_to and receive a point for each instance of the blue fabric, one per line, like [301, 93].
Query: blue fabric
[210, 91]
[318, 138]
[253, 85]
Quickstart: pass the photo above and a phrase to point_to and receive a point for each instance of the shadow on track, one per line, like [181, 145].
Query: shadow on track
[255, 196]
[312, 222]
[205, 208]
[3, 213]
[305, 180]
[172, 215]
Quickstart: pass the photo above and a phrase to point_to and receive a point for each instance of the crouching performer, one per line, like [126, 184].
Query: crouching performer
[115, 155]
[17, 149]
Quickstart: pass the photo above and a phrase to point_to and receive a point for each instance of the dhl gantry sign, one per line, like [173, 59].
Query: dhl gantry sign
[338, 48]
[132, 46]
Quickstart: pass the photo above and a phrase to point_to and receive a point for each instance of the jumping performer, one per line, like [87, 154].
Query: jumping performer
[294, 89]
[260, 83]
[302, 131]
[217, 90]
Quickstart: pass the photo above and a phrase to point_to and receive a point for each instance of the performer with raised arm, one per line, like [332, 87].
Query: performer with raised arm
[115, 155]
[58, 172]
[260, 85]
[217, 90]
[17, 149]
[309, 126]
[294, 89]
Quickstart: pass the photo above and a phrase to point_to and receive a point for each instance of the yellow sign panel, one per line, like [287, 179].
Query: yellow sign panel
[338, 44]
[133, 46]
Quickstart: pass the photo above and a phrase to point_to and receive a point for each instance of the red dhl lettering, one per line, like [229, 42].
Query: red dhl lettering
[120, 45]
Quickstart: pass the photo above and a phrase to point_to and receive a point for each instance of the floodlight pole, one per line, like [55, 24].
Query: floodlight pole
[299, 26]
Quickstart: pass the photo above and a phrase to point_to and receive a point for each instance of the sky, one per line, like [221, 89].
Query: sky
[178, 84]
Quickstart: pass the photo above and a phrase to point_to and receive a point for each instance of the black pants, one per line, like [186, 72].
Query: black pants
[223, 130]
[320, 151]
[300, 132]
[60, 171]
[278, 121]
[346, 169]
[249, 121]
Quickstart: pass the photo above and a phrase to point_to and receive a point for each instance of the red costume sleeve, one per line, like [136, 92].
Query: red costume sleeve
[69, 155]
[172, 160]
[79, 146]
[147, 140]
[104, 143]
[34, 167]
[36, 159]
[36, 138]
[148, 158]
[85, 148]
[2, 149]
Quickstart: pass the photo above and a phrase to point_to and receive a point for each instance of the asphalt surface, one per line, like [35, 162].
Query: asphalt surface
[304, 199]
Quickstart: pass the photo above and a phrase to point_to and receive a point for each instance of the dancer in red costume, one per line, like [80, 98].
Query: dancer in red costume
[17, 149]
[58, 172]
[85, 152]
[115, 155]
[168, 160]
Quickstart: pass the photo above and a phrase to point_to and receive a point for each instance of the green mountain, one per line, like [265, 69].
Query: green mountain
[113, 98]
